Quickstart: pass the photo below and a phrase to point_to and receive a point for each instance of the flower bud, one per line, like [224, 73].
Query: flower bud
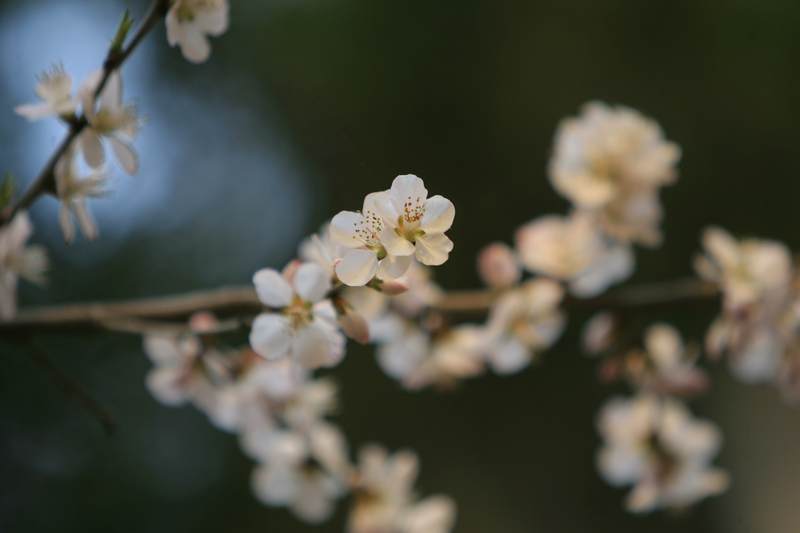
[498, 266]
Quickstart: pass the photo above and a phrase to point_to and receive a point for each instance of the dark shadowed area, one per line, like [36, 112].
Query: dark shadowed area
[306, 106]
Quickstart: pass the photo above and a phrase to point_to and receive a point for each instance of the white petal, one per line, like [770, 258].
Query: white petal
[194, 45]
[174, 30]
[408, 187]
[66, 223]
[270, 336]
[394, 243]
[389, 210]
[357, 267]
[34, 111]
[310, 348]
[91, 147]
[310, 282]
[343, 229]
[433, 249]
[275, 484]
[85, 221]
[393, 267]
[124, 155]
[439, 215]
[272, 289]
[213, 22]
[111, 97]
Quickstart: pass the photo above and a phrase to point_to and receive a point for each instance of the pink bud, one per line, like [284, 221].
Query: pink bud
[393, 287]
[498, 266]
[203, 321]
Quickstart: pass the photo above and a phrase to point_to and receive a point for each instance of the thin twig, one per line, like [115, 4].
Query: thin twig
[66, 384]
[45, 182]
[127, 316]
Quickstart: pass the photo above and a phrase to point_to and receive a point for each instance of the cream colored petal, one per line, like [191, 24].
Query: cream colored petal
[357, 267]
[272, 289]
[433, 248]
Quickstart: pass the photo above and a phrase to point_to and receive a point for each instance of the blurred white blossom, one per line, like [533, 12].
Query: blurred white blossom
[657, 447]
[612, 161]
[573, 250]
[55, 91]
[384, 498]
[190, 21]
[498, 266]
[302, 324]
[73, 191]
[18, 260]
[108, 119]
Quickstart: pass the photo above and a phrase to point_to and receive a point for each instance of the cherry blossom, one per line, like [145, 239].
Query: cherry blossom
[190, 21]
[55, 91]
[572, 249]
[18, 260]
[73, 191]
[612, 161]
[384, 501]
[109, 120]
[302, 324]
[498, 266]
[656, 446]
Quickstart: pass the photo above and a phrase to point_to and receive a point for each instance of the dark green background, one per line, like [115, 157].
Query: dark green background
[466, 95]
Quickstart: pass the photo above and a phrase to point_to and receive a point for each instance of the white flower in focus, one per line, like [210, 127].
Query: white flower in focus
[17, 260]
[109, 120]
[573, 250]
[384, 501]
[73, 192]
[55, 91]
[746, 271]
[302, 324]
[656, 446]
[393, 227]
[190, 21]
[612, 161]
[522, 322]
[498, 266]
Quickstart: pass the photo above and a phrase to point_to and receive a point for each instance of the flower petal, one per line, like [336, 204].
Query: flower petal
[85, 221]
[310, 282]
[347, 229]
[194, 45]
[389, 210]
[394, 243]
[124, 155]
[66, 224]
[272, 289]
[357, 267]
[393, 267]
[433, 248]
[439, 215]
[91, 147]
[270, 336]
[408, 188]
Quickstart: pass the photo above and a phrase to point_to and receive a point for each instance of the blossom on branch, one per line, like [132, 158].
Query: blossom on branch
[659, 448]
[190, 21]
[302, 323]
[612, 162]
[572, 249]
[55, 91]
[17, 260]
[109, 120]
[73, 191]
[394, 226]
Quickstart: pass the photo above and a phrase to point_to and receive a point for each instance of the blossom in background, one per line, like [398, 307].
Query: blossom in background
[522, 322]
[385, 502]
[109, 120]
[17, 260]
[190, 21]
[55, 91]
[73, 191]
[571, 249]
[302, 323]
[612, 161]
[499, 266]
[661, 450]
[393, 227]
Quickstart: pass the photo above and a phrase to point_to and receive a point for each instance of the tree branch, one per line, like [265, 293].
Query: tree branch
[131, 316]
[45, 182]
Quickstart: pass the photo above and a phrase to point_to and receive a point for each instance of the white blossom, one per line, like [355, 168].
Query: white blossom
[55, 91]
[658, 448]
[73, 190]
[302, 324]
[17, 260]
[108, 119]
[190, 21]
[393, 227]
[521, 323]
[384, 501]
[612, 161]
[573, 250]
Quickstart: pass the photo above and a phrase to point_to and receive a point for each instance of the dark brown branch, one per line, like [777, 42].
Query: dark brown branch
[66, 384]
[242, 301]
[45, 182]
